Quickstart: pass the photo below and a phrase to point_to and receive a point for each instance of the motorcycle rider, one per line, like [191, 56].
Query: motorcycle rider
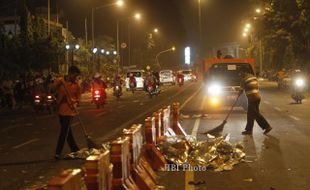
[118, 82]
[180, 76]
[156, 85]
[132, 80]
[99, 84]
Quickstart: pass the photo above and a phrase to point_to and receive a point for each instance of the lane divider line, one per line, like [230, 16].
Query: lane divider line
[25, 143]
[295, 118]
[266, 102]
[277, 108]
[190, 98]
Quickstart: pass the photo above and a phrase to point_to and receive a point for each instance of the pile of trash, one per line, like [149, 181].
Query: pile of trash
[215, 153]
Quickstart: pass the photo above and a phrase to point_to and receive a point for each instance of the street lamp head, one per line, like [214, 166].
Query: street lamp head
[244, 34]
[95, 50]
[107, 52]
[114, 52]
[120, 3]
[67, 46]
[102, 51]
[258, 10]
[77, 46]
[173, 48]
[248, 25]
[156, 30]
[246, 29]
[137, 16]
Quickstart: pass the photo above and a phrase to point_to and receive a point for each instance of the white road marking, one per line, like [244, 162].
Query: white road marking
[197, 122]
[135, 101]
[25, 143]
[121, 106]
[295, 118]
[190, 98]
[277, 108]
[266, 102]
[101, 114]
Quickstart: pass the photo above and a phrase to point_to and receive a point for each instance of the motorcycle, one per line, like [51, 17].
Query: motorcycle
[180, 81]
[153, 91]
[44, 102]
[298, 88]
[99, 98]
[132, 86]
[117, 91]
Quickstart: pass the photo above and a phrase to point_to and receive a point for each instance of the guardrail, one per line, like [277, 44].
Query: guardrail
[131, 161]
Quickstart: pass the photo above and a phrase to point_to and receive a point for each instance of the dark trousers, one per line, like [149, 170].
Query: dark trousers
[65, 134]
[253, 114]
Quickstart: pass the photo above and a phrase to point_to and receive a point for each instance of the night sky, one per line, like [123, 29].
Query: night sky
[177, 20]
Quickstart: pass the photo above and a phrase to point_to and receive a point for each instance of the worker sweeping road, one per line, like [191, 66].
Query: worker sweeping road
[249, 84]
[68, 95]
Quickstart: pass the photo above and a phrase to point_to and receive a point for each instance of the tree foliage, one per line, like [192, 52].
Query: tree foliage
[285, 31]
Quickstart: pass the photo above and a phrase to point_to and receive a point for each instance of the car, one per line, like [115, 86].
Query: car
[222, 81]
[166, 77]
[139, 75]
[187, 74]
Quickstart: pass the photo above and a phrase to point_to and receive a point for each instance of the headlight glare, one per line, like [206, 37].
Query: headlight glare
[214, 89]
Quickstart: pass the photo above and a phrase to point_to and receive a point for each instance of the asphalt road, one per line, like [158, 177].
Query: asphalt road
[279, 160]
[28, 140]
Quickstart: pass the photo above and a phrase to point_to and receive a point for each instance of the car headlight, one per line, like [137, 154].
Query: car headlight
[300, 82]
[214, 89]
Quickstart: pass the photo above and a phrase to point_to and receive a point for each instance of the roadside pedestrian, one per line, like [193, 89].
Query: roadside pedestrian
[249, 84]
[68, 94]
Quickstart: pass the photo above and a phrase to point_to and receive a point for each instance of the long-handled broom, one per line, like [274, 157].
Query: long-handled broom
[89, 141]
[220, 127]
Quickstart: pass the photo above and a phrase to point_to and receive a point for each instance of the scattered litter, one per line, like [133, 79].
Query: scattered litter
[160, 187]
[248, 180]
[197, 182]
[141, 104]
[213, 154]
[289, 169]
[197, 115]
[41, 177]
[85, 152]
[210, 136]
[24, 171]
[184, 116]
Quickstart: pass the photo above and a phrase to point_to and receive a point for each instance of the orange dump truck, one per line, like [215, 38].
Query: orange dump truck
[222, 80]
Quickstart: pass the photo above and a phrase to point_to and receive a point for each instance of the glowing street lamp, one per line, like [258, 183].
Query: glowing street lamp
[107, 52]
[246, 29]
[114, 52]
[248, 25]
[173, 48]
[67, 47]
[137, 16]
[244, 34]
[120, 3]
[102, 51]
[77, 46]
[155, 30]
[95, 50]
[258, 10]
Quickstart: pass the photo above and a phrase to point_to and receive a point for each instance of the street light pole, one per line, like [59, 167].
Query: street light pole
[167, 50]
[92, 27]
[49, 16]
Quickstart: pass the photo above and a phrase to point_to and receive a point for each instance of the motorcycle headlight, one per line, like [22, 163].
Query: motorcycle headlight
[300, 82]
[214, 89]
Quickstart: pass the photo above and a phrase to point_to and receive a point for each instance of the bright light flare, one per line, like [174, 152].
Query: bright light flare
[300, 82]
[67, 46]
[173, 48]
[248, 25]
[120, 3]
[137, 16]
[258, 10]
[244, 34]
[155, 30]
[77, 46]
[214, 90]
[95, 50]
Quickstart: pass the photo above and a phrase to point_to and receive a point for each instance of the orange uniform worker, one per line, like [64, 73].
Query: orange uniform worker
[68, 95]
